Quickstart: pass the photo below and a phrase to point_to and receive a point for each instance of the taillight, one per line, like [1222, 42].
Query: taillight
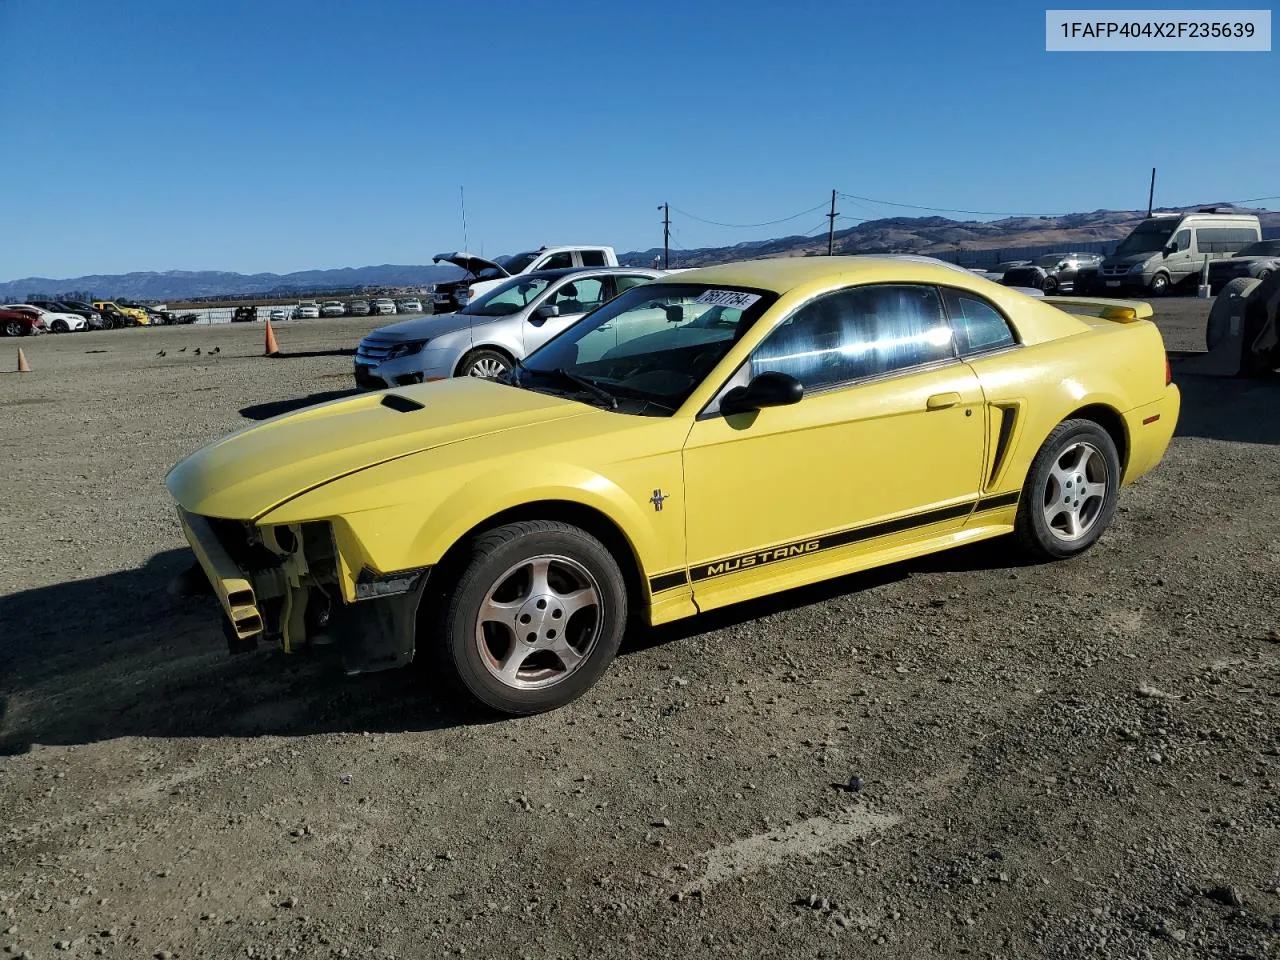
[1168, 371]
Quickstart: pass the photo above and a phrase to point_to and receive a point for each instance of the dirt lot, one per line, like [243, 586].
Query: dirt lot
[1070, 760]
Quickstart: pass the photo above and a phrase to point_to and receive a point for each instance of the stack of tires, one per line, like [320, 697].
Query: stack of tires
[1251, 307]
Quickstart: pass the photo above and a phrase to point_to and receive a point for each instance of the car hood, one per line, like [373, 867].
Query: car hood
[470, 262]
[424, 328]
[255, 470]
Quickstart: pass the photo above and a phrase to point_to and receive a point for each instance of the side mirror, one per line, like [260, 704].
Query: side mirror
[768, 389]
[546, 311]
[1168, 249]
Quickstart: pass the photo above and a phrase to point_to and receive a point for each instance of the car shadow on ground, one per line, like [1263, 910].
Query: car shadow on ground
[1236, 409]
[274, 408]
[120, 656]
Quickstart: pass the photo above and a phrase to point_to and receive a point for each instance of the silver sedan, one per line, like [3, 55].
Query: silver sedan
[487, 337]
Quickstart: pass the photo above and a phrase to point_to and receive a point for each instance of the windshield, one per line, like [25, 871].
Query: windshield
[650, 347]
[519, 261]
[1264, 248]
[1149, 237]
[512, 297]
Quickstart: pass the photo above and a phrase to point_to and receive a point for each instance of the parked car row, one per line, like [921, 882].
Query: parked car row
[1161, 254]
[313, 310]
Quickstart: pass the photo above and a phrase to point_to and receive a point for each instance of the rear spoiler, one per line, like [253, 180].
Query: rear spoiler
[1121, 311]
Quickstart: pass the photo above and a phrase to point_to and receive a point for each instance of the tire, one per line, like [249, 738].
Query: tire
[14, 328]
[485, 363]
[1229, 302]
[518, 577]
[60, 326]
[1043, 527]
[1159, 285]
[1050, 287]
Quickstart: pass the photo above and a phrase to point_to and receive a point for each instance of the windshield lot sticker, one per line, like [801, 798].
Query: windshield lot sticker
[728, 298]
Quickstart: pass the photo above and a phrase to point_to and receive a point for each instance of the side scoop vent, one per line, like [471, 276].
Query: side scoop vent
[401, 403]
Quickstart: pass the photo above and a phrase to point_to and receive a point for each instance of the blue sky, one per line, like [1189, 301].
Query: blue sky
[276, 136]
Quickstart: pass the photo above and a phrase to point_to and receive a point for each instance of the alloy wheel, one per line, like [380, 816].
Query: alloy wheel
[1075, 492]
[539, 622]
[487, 367]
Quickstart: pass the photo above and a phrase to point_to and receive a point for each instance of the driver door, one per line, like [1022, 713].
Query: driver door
[574, 297]
[885, 447]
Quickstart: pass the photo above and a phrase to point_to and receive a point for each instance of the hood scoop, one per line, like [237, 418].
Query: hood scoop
[401, 403]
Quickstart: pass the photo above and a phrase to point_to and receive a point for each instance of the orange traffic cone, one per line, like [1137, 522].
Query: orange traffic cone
[273, 348]
[23, 366]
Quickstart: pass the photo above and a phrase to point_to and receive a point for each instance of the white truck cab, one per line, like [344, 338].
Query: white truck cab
[483, 275]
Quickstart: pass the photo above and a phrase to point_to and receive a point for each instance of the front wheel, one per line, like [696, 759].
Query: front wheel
[1070, 493]
[534, 618]
[14, 328]
[486, 364]
[60, 326]
[1050, 287]
[1159, 285]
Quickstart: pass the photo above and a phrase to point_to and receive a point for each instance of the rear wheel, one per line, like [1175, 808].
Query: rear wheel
[14, 328]
[485, 363]
[534, 617]
[1070, 493]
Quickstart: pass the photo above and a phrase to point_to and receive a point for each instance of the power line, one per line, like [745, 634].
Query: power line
[747, 226]
[977, 213]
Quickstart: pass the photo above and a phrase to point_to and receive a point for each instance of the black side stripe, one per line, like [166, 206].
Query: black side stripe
[999, 500]
[668, 581]
[842, 538]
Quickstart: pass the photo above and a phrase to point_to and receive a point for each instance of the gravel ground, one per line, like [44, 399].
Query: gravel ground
[953, 756]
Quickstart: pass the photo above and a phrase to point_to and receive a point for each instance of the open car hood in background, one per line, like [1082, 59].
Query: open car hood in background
[470, 262]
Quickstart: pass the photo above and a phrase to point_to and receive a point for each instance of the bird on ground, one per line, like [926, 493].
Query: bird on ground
[216, 350]
[183, 350]
[196, 351]
[160, 354]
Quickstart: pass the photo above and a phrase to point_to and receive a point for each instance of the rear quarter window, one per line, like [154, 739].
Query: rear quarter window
[979, 326]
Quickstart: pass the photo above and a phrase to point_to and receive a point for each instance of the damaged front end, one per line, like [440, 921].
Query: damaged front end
[283, 584]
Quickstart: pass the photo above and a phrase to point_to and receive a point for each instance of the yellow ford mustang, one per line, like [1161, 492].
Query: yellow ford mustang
[711, 436]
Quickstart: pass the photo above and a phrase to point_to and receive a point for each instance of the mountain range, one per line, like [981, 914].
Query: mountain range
[921, 235]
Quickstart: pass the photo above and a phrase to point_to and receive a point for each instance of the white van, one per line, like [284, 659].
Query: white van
[1168, 251]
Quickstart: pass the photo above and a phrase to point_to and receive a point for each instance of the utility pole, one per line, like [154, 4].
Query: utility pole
[666, 235]
[831, 227]
[1151, 195]
[462, 195]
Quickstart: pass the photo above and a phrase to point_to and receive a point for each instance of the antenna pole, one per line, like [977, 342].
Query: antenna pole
[462, 195]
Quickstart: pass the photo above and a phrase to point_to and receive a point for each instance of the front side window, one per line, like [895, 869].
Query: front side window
[519, 262]
[512, 297]
[557, 261]
[593, 258]
[1182, 240]
[978, 326]
[579, 296]
[858, 332]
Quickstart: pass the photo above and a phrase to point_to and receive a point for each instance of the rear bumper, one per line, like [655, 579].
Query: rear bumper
[1150, 428]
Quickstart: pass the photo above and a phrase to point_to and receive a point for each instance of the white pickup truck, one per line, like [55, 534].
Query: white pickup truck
[483, 275]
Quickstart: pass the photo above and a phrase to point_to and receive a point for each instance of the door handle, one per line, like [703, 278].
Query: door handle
[941, 401]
